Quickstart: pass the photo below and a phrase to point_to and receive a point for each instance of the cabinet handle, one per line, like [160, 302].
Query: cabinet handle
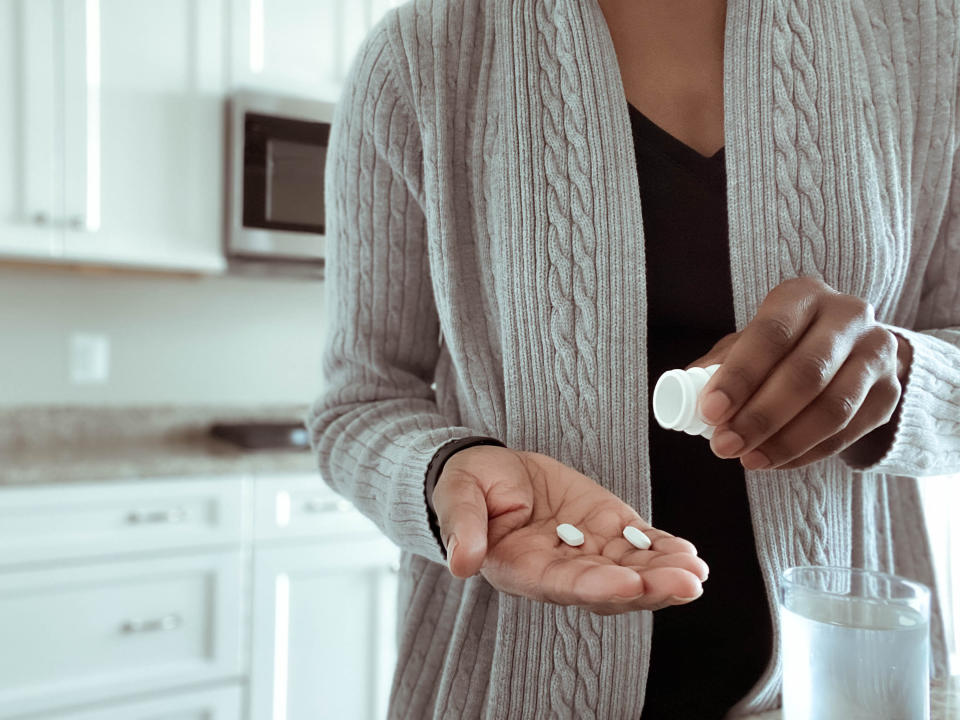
[77, 223]
[157, 517]
[323, 505]
[41, 219]
[161, 624]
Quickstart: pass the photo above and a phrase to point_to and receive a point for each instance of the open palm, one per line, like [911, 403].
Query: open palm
[499, 510]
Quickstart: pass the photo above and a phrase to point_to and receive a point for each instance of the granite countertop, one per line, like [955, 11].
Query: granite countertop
[62, 445]
[944, 702]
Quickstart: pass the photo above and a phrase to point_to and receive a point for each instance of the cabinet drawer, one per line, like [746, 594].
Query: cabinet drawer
[214, 704]
[304, 506]
[57, 522]
[91, 632]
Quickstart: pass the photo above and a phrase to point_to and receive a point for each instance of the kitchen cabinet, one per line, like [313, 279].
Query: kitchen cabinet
[299, 47]
[111, 520]
[215, 704]
[93, 631]
[31, 197]
[175, 597]
[112, 117]
[144, 132]
[113, 113]
[323, 631]
[324, 622]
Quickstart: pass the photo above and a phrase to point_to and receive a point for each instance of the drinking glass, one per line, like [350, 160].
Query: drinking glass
[856, 645]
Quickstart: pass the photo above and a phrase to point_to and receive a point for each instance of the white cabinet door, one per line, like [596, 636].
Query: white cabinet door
[89, 633]
[215, 704]
[31, 201]
[299, 47]
[323, 630]
[143, 139]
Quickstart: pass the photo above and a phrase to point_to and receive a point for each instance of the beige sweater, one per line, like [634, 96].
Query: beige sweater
[483, 190]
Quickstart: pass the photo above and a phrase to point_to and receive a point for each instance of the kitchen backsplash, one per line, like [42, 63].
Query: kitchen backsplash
[172, 340]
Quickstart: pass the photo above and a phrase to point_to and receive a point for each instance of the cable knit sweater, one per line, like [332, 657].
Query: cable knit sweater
[486, 277]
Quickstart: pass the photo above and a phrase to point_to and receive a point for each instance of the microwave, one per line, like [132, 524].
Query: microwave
[276, 209]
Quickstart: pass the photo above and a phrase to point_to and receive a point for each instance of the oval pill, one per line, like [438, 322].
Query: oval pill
[636, 537]
[570, 534]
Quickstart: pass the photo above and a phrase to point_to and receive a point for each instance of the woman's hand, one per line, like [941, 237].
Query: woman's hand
[810, 376]
[499, 509]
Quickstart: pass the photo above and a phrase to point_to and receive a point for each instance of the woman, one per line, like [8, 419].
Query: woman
[500, 305]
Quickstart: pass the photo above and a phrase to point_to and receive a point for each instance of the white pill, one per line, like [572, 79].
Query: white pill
[569, 534]
[636, 537]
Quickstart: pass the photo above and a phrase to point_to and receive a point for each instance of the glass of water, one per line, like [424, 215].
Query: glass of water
[856, 645]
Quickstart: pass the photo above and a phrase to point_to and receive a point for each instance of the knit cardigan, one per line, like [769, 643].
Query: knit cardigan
[486, 277]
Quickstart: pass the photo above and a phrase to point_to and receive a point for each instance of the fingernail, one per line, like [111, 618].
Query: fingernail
[726, 444]
[451, 544]
[686, 599]
[755, 460]
[713, 405]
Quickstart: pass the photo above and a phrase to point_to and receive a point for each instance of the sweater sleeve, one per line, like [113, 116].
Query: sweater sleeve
[376, 426]
[927, 436]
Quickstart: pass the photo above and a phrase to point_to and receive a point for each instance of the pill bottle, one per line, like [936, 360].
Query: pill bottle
[675, 400]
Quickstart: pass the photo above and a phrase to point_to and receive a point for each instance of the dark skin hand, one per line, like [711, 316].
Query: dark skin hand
[812, 375]
[499, 509]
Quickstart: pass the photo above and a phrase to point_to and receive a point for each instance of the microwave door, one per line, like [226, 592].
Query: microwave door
[283, 204]
[294, 185]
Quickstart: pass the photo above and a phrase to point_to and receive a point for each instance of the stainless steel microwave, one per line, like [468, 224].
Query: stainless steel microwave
[276, 209]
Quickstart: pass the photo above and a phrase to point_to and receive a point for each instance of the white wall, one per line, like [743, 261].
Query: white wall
[173, 340]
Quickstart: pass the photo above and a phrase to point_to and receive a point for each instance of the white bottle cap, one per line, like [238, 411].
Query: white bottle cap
[675, 399]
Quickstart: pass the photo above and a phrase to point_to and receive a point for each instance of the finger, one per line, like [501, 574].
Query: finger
[646, 560]
[795, 382]
[834, 408]
[462, 516]
[670, 585]
[586, 581]
[664, 542]
[619, 608]
[877, 409]
[781, 321]
[717, 353]
[665, 587]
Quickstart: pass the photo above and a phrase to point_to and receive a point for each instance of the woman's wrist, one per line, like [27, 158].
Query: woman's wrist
[904, 358]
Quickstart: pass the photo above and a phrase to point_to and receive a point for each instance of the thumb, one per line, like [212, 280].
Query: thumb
[462, 515]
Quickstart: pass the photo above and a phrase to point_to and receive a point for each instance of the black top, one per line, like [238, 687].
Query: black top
[708, 654]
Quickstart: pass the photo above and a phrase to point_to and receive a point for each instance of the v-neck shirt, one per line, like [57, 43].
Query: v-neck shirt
[706, 655]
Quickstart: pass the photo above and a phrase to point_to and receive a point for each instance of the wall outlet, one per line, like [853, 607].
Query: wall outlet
[89, 358]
